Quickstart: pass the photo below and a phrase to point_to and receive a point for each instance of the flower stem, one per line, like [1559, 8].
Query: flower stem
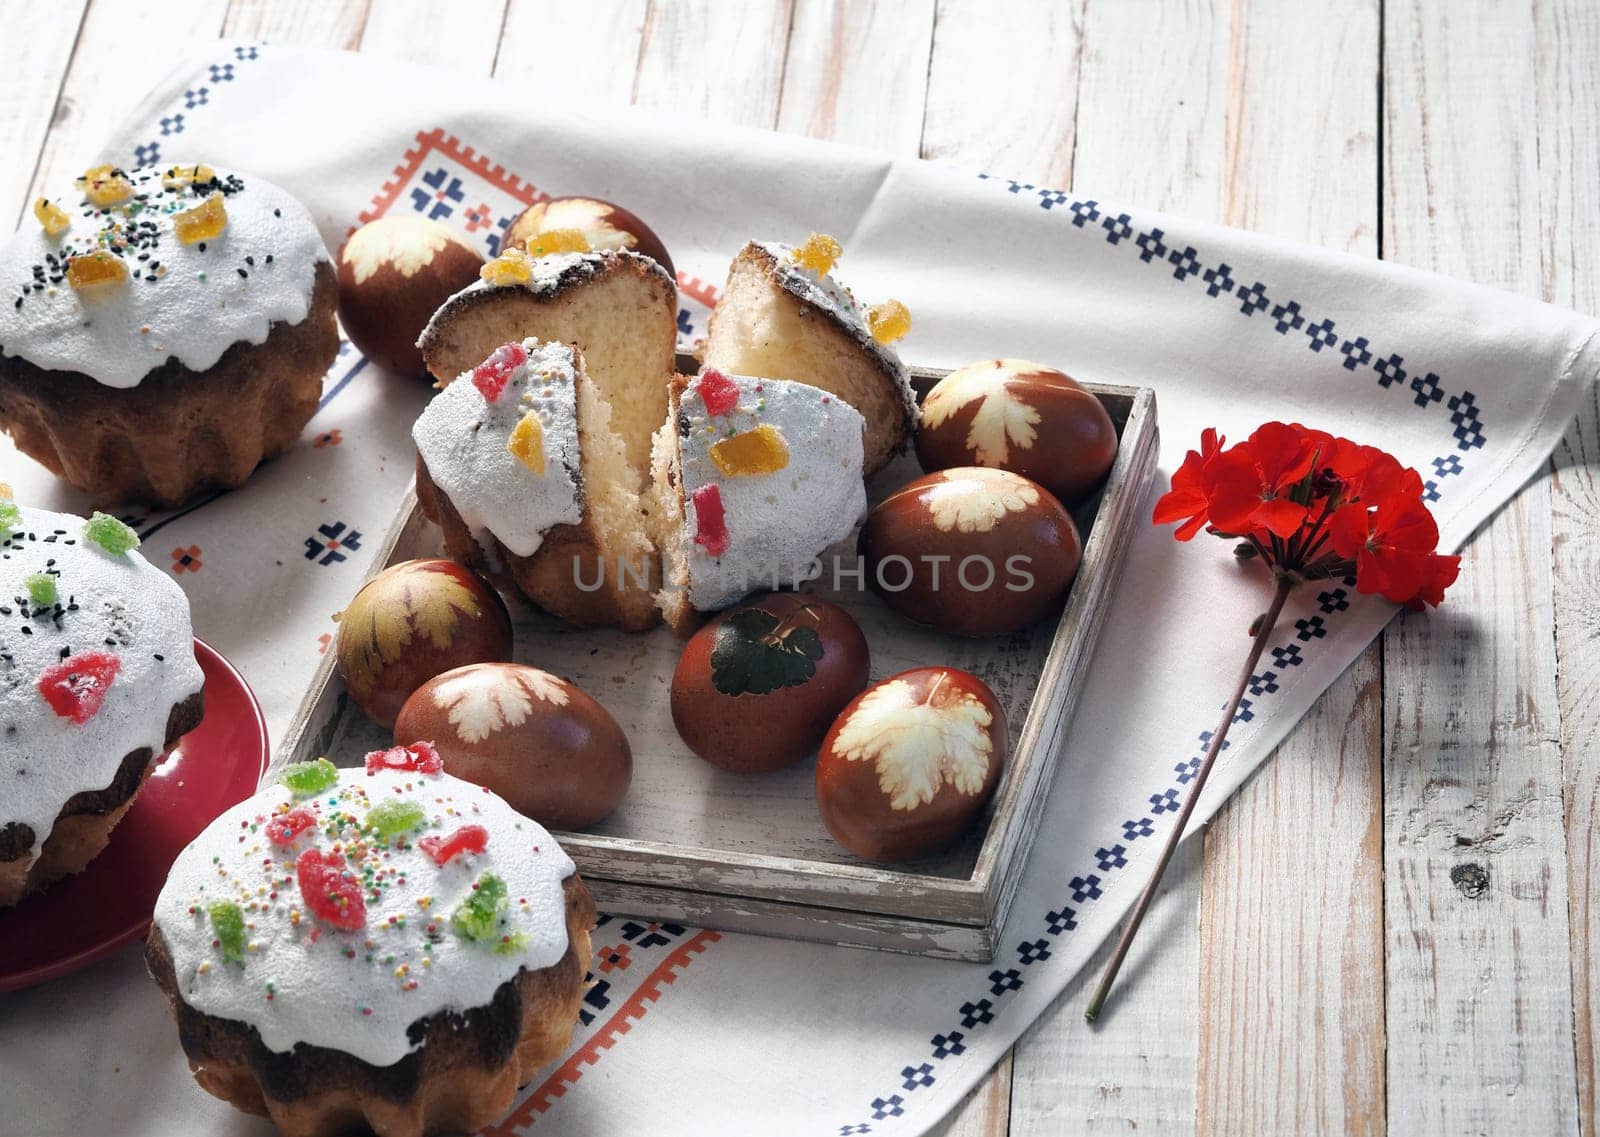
[1218, 737]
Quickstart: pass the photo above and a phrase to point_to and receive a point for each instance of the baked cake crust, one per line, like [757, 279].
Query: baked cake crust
[463, 1076]
[179, 433]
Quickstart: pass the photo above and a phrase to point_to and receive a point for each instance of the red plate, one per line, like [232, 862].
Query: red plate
[86, 917]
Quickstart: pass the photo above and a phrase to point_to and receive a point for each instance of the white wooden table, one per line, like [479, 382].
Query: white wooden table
[1391, 927]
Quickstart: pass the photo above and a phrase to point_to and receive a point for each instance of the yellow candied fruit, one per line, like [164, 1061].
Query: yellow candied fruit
[758, 451]
[6, 493]
[558, 241]
[201, 223]
[182, 177]
[527, 443]
[511, 267]
[818, 253]
[889, 321]
[105, 186]
[96, 270]
[52, 217]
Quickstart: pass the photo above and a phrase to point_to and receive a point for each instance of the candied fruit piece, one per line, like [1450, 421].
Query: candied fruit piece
[302, 779]
[467, 839]
[105, 186]
[10, 519]
[889, 321]
[227, 924]
[185, 177]
[41, 588]
[758, 451]
[285, 828]
[818, 254]
[492, 375]
[202, 223]
[52, 217]
[553, 241]
[96, 270]
[418, 757]
[77, 685]
[477, 918]
[527, 443]
[332, 894]
[711, 526]
[110, 534]
[513, 266]
[391, 819]
[719, 393]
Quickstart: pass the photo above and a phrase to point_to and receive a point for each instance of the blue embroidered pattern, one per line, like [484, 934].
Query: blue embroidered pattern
[1287, 316]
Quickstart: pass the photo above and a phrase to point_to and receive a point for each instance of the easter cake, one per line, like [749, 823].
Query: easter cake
[782, 315]
[519, 464]
[387, 948]
[751, 480]
[97, 679]
[167, 330]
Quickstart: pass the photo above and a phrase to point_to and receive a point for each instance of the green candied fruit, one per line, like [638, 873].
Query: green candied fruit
[227, 922]
[391, 819]
[10, 518]
[478, 917]
[510, 945]
[306, 778]
[41, 588]
[110, 534]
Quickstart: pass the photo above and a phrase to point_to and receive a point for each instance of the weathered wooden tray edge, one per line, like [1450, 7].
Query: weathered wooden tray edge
[913, 912]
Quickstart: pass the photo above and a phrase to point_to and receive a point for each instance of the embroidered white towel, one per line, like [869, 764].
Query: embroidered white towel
[700, 1034]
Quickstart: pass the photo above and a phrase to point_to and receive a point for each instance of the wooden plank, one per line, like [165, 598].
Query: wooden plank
[311, 23]
[1149, 129]
[122, 50]
[719, 61]
[1480, 1028]
[1568, 64]
[451, 33]
[1003, 92]
[1291, 1006]
[536, 31]
[858, 72]
[33, 61]
[985, 1111]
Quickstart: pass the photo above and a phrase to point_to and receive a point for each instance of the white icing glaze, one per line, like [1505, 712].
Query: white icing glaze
[197, 307]
[777, 523]
[462, 439]
[44, 758]
[328, 987]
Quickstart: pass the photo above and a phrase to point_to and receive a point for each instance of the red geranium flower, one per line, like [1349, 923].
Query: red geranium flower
[1187, 501]
[1249, 487]
[1393, 547]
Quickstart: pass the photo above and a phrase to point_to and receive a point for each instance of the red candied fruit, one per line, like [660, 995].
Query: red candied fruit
[333, 895]
[492, 375]
[419, 757]
[286, 827]
[467, 839]
[711, 525]
[77, 685]
[719, 393]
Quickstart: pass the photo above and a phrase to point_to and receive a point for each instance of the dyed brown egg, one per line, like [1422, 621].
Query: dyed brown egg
[1024, 417]
[534, 738]
[412, 621]
[393, 275]
[907, 767]
[973, 551]
[756, 688]
[605, 224]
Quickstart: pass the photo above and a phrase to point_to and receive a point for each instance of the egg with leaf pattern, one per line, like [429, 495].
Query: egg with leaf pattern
[412, 621]
[536, 739]
[755, 689]
[908, 766]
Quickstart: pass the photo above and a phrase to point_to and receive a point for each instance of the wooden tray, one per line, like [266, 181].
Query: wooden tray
[694, 845]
